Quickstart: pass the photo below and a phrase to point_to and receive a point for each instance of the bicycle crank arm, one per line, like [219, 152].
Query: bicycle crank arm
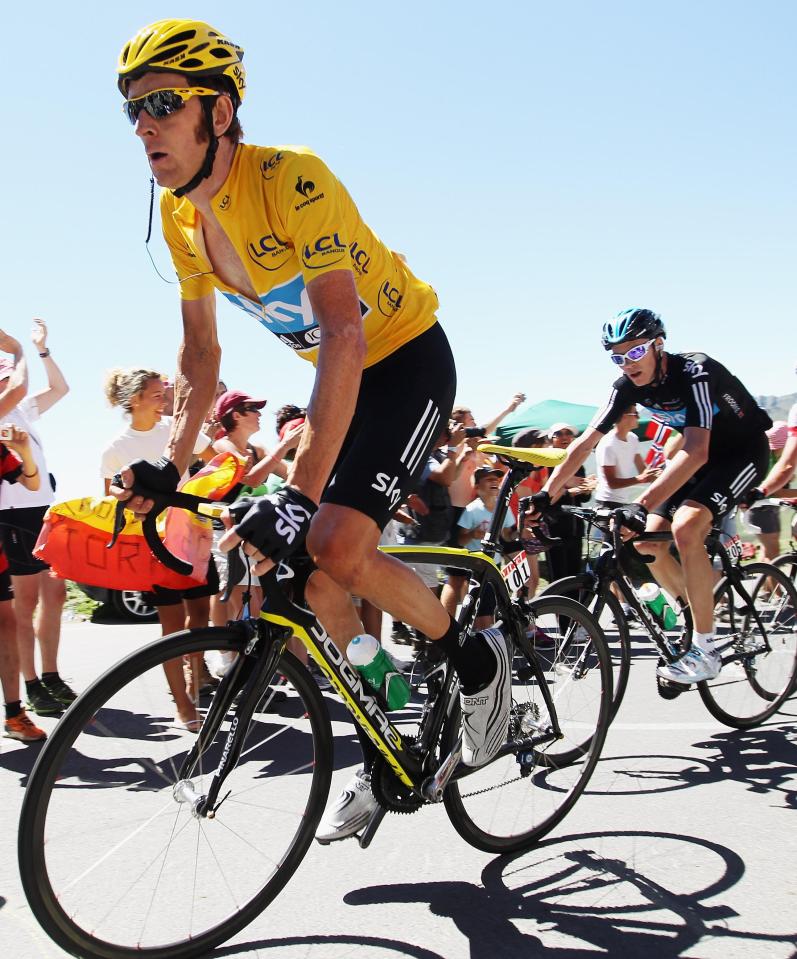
[364, 838]
[433, 788]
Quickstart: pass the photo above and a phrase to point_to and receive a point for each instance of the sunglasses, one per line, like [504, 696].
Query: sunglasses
[634, 355]
[564, 433]
[162, 103]
[251, 409]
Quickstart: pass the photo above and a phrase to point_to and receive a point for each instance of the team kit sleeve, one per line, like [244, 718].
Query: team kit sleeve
[314, 213]
[698, 394]
[619, 399]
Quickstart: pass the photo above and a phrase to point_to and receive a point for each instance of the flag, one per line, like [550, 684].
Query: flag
[658, 433]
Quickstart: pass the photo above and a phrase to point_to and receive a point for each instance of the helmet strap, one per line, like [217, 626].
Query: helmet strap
[207, 166]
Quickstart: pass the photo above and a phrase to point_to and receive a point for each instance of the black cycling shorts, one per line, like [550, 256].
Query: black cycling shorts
[404, 403]
[160, 596]
[722, 483]
[20, 529]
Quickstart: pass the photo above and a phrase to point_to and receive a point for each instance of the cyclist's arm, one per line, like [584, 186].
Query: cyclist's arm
[195, 382]
[782, 472]
[336, 306]
[682, 467]
[577, 453]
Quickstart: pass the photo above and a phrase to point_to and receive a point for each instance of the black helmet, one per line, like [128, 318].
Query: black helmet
[633, 324]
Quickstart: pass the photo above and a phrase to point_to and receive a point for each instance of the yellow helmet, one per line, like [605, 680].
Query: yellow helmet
[182, 46]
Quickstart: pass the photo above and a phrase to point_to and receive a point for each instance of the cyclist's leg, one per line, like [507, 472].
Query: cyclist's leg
[665, 567]
[690, 526]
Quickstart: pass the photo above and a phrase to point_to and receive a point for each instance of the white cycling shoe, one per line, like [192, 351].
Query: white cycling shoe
[695, 666]
[485, 714]
[350, 812]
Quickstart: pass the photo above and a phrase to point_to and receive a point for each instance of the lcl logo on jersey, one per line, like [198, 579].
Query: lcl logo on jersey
[389, 299]
[325, 250]
[268, 252]
[268, 166]
[225, 202]
[359, 258]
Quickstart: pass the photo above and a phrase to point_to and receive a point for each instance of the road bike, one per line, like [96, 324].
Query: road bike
[755, 622]
[138, 839]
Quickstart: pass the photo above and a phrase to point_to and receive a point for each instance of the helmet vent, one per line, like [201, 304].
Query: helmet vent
[169, 54]
[190, 64]
[220, 53]
[183, 37]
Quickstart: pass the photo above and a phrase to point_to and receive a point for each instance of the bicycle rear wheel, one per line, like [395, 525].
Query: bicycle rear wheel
[759, 671]
[788, 563]
[606, 608]
[114, 865]
[505, 806]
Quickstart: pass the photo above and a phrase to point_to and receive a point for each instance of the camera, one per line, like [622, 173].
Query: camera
[6, 433]
[471, 431]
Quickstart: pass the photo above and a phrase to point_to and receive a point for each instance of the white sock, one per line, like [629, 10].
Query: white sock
[704, 642]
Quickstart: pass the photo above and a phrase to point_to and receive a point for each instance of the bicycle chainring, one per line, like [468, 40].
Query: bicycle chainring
[389, 791]
[665, 688]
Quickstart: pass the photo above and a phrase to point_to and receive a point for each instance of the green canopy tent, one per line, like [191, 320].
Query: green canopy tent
[544, 414]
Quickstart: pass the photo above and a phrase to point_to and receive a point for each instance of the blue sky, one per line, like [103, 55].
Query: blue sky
[542, 165]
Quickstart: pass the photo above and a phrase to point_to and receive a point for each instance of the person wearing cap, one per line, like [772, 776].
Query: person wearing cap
[472, 526]
[37, 593]
[565, 558]
[781, 473]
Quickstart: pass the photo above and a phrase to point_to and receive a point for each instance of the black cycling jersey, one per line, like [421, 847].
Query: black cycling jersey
[695, 391]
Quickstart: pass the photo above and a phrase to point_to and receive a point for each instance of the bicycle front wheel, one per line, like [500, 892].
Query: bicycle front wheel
[606, 608]
[113, 861]
[513, 801]
[759, 662]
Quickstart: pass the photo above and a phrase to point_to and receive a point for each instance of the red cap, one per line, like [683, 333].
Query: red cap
[290, 425]
[233, 399]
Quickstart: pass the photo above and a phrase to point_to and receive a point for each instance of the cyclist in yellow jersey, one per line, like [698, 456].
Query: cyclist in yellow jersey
[277, 234]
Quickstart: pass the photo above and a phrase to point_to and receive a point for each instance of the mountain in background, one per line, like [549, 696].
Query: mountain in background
[777, 406]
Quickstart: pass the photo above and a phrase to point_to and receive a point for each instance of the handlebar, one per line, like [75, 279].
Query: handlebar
[160, 502]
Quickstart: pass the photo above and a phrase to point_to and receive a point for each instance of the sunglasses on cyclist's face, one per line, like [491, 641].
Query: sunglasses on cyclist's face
[634, 355]
[162, 103]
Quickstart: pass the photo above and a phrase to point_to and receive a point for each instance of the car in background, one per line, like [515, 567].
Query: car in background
[127, 603]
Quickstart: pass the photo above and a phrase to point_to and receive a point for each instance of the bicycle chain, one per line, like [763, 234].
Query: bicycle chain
[389, 791]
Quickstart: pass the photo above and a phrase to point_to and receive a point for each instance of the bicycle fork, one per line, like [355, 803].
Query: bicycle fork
[250, 675]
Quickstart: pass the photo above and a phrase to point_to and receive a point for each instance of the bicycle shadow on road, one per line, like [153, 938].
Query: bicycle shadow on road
[576, 894]
[765, 759]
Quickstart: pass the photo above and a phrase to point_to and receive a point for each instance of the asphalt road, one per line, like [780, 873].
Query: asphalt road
[683, 845]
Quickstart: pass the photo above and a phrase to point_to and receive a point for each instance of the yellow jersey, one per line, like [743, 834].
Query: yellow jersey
[290, 219]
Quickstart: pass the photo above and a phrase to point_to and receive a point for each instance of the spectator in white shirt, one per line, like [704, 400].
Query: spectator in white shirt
[621, 467]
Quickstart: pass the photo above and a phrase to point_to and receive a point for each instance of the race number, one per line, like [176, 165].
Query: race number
[516, 574]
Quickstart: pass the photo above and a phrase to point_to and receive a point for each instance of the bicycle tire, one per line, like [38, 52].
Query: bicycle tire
[98, 824]
[753, 682]
[528, 807]
[606, 608]
[788, 563]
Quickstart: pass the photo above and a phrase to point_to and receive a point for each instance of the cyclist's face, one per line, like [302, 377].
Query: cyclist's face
[643, 371]
[175, 145]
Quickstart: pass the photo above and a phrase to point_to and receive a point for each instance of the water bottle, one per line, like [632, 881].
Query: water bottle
[379, 670]
[652, 596]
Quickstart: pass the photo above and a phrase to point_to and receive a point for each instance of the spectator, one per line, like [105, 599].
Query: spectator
[473, 525]
[139, 392]
[36, 591]
[429, 507]
[763, 517]
[17, 463]
[533, 483]
[564, 559]
[621, 467]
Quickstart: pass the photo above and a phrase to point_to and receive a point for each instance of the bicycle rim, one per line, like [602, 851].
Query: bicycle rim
[607, 610]
[114, 866]
[754, 680]
[498, 809]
